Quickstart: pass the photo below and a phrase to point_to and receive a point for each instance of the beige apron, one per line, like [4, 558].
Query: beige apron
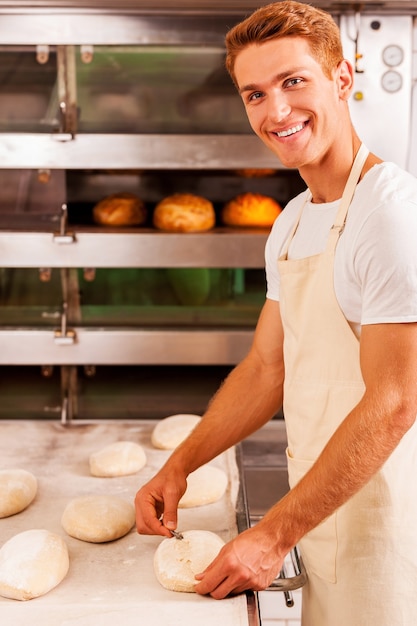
[362, 560]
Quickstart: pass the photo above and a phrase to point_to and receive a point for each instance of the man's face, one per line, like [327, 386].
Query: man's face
[291, 105]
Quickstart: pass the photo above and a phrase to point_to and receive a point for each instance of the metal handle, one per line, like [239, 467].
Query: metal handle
[64, 336]
[63, 236]
[282, 583]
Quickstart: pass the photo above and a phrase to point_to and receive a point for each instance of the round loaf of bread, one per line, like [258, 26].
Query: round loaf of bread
[256, 172]
[177, 561]
[171, 431]
[184, 213]
[205, 485]
[17, 490]
[120, 209]
[250, 209]
[97, 518]
[117, 459]
[32, 563]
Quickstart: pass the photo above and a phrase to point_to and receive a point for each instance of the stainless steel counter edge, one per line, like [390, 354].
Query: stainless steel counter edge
[243, 523]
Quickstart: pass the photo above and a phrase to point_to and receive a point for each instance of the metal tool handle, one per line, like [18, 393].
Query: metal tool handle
[282, 583]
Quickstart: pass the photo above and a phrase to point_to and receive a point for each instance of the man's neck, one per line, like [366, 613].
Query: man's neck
[327, 179]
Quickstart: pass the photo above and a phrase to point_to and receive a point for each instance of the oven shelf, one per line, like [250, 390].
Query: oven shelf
[94, 247]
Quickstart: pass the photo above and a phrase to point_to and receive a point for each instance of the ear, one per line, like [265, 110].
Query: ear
[344, 79]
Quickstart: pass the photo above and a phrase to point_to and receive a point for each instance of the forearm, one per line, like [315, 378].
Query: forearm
[356, 451]
[247, 399]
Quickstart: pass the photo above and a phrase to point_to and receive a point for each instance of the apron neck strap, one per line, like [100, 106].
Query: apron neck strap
[350, 187]
[345, 201]
[340, 220]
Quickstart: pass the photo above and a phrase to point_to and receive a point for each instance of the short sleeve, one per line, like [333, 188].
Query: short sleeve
[385, 264]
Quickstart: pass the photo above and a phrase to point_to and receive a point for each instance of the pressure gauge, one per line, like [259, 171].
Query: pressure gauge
[393, 55]
[392, 81]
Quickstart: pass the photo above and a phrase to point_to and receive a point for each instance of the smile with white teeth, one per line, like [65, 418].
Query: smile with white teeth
[290, 131]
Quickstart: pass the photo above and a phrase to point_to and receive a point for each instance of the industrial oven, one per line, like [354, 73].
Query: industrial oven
[126, 325]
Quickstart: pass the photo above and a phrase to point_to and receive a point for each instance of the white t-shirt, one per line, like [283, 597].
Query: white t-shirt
[375, 273]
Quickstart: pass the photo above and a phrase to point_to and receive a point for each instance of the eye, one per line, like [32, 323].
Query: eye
[293, 82]
[254, 96]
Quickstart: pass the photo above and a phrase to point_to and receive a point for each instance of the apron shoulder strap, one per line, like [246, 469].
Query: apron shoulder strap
[349, 190]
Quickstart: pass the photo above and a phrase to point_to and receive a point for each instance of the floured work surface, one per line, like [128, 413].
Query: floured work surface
[111, 580]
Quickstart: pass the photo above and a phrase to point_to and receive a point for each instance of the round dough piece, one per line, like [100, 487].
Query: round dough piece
[97, 519]
[204, 486]
[120, 209]
[32, 563]
[184, 213]
[118, 459]
[17, 490]
[177, 561]
[250, 209]
[171, 431]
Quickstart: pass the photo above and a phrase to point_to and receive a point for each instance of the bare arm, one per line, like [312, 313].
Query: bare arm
[356, 451]
[249, 397]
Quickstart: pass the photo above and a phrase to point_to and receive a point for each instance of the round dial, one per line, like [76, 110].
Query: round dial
[392, 81]
[393, 55]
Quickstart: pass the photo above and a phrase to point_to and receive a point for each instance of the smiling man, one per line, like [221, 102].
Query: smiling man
[335, 345]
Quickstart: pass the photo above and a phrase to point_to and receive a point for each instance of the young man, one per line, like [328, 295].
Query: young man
[336, 343]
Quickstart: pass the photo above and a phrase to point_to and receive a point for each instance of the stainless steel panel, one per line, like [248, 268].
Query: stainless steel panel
[62, 27]
[102, 151]
[124, 347]
[128, 249]
[190, 7]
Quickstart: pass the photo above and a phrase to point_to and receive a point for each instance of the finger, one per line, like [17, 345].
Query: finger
[147, 516]
[170, 514]
[214, 589]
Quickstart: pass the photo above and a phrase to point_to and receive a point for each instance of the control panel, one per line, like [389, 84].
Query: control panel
[380, 50]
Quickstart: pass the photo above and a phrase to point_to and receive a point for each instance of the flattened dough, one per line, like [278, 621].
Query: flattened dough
[97, 519]
[32, 563]
[177, 561]
[171, 431]
[118, 459]
[204, 486]
[17, 490]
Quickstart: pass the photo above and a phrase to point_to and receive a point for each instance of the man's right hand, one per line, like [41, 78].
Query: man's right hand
[156, 503]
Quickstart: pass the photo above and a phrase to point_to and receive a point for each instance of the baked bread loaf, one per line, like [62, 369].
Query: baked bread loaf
[255, 172]
[184, 213]
[250, 209]
[120, 209]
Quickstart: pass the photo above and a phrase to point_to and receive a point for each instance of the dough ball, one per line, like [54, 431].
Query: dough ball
[177, 561]
[204, 486]
[120, 209]
[250, 209]
[184, 213]
[31, 564]
[17, 490]
[98, 518]
[118, 459]
[171, 431]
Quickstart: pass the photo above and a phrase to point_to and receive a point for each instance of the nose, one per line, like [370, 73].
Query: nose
[278, 107]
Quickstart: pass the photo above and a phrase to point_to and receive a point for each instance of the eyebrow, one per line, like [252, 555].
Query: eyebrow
[276, 79]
